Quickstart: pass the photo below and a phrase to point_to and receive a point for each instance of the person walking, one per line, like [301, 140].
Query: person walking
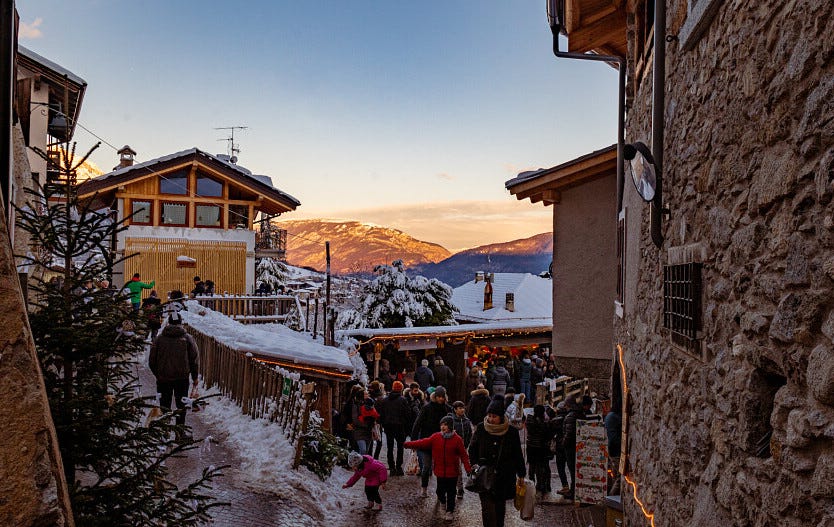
[575, 413]
[559, 438]
[443, 375]
[525, 376]
[375, 477]
[448, 452]
[135, 287]
[172, 358]
[462, 427]
[424, 376]
[152, 309]
[476, 409]
[363, 418]
[495, 443]
[539, 433]
[395, 414]
[500, 380]
[427, 423]
[474, 377]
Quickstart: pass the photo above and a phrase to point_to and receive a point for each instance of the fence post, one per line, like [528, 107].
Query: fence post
[247, 380]
[308, 391]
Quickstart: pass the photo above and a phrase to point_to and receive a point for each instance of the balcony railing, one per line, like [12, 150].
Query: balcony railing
[271, 242]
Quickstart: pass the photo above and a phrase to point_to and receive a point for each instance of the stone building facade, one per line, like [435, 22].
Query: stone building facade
[736, 426]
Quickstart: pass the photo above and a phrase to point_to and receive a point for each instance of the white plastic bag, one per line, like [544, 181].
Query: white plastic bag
[529, 504]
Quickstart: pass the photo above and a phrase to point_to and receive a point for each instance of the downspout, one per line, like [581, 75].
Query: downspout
[658, 116]
[621, 68]
[7, 56]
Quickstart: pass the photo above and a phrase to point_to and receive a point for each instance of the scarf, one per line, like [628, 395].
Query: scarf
[447, 435]
[497, 430]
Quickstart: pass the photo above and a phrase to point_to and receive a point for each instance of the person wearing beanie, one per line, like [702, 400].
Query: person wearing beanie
[424, 376]
[174, 355]
[478, 402]
[539, 433]
[396, 417]
[495, 443]
[375, 476]
[448, 452]
[426, 424]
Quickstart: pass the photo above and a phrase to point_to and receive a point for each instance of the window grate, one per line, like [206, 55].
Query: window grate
[682, 303]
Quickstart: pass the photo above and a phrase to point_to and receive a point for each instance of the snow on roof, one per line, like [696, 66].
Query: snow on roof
[532, 326]
[264, 180]
[279, 342]
[57, 68]
[533, 299]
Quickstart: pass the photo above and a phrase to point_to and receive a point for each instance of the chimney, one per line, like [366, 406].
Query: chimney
[510, 302]
[488, 293]
[125, 157]
[479, 276]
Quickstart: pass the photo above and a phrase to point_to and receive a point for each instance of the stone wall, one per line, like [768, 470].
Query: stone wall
[33, 491]
[749, 175]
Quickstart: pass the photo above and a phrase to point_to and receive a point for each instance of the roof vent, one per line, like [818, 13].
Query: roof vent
[509, 303]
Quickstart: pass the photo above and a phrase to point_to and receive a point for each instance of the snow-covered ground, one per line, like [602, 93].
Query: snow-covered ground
[267, 456]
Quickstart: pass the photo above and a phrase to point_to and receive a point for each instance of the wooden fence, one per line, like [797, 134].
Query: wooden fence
[253, 309]
[565, 387]
[262, 391]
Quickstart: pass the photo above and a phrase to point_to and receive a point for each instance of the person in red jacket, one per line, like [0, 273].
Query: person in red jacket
[447, 452]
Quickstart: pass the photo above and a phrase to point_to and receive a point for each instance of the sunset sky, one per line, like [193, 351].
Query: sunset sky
[410, 115]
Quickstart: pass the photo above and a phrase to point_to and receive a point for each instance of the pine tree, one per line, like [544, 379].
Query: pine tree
[87, 342]
[395, 300]
[271, 272]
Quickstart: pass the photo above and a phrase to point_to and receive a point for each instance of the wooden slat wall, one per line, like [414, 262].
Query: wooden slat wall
[149, 186]
[224, 263]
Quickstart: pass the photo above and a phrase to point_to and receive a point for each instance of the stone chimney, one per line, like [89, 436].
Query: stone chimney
[509, 303]
[479, 276]
[488, 293]
[125, 157]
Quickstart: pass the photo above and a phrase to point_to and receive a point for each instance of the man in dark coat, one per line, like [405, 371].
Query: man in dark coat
[576, 411]
[427, 423]
[416, 400]
[173, 357]
[443, 375]
[395, 415]
[539, 433]
[501, 380]
[424, 376]
[476, 410]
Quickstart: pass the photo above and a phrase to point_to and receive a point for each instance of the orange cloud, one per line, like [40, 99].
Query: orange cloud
[30, 31]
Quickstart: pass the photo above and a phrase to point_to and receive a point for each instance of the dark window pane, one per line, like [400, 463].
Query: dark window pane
[208, 187]
[238, 216]
[141, 212]
[208, 216]
[174, 213]
[174, 183]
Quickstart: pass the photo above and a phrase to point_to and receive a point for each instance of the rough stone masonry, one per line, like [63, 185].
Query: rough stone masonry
[749, 181]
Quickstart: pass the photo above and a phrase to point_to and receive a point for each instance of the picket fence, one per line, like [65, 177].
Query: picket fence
[262, 391]
[252, 309]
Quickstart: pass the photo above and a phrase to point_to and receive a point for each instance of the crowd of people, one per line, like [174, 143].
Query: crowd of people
[451, 440]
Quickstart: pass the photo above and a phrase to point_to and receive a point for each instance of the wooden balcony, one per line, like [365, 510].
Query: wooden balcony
[271, 243]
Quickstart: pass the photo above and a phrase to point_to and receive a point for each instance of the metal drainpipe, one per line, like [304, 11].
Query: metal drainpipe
[658, 116]
[621, 68]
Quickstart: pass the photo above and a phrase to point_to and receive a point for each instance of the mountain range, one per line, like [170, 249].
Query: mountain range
[356, 248]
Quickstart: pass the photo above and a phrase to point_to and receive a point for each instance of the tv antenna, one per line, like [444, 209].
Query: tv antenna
[233, 149]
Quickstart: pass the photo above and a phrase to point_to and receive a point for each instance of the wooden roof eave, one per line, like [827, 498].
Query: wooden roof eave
[548, 186]
[596, 26]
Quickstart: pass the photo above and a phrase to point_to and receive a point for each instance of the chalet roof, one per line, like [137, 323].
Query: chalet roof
[57, 69]
[260, 184]
[533, 299]
[544, 184]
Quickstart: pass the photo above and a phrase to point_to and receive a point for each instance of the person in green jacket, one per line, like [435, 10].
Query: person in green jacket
[135, 287]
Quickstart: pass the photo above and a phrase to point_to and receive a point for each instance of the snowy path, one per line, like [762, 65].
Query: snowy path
[263, 491]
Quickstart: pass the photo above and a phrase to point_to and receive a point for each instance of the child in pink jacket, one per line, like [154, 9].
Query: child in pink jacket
[375, 475]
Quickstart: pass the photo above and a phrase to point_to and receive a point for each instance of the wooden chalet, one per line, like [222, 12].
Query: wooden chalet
[191, 213]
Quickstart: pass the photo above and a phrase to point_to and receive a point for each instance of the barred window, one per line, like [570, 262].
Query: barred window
[682, 303]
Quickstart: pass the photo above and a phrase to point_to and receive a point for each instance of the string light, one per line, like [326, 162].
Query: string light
[646, 513]
[290, 365]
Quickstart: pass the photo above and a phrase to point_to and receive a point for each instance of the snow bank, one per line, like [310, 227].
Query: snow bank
[289, 345]
[266, 458]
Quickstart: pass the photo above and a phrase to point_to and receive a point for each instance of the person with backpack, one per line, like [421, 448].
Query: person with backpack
[501, 380]
[172, 358]
[364, 418]
[152, 309]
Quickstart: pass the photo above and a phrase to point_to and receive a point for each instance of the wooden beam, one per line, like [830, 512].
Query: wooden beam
[611, 28]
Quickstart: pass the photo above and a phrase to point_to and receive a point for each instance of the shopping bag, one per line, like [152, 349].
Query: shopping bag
[520, 492]
[529, 504]
[412, 466]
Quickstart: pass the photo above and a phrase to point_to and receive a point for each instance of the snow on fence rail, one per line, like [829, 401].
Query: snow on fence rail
[251, 308]
[262, 391]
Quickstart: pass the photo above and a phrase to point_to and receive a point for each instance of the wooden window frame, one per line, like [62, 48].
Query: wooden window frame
[198, 226]
[173, 202]
[150, 212]
[644, 38]
[164, 177]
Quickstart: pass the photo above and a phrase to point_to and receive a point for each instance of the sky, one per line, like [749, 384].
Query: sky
[411, 115]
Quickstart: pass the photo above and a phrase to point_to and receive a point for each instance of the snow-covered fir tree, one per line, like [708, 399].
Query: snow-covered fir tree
[87, 342]
[395, 300]
[270, 272]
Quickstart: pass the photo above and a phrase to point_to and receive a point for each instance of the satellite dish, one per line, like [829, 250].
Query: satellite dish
[640, 162]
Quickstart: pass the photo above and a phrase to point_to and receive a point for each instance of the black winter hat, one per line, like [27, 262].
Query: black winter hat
[449, 420]
[496, 406]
